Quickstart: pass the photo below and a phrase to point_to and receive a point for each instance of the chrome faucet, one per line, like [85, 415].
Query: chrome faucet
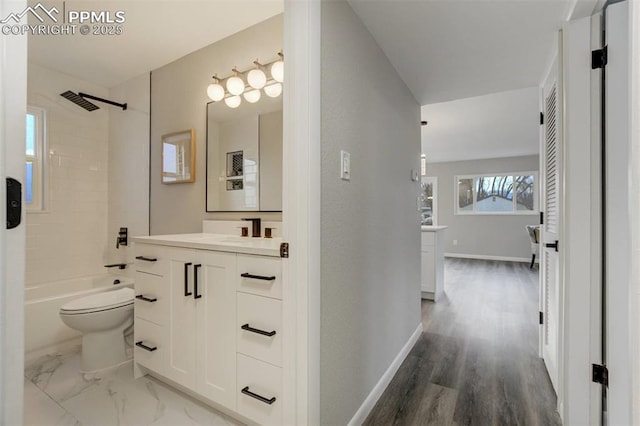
[255, 226]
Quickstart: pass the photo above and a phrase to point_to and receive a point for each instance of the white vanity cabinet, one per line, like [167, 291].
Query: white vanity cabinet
[211, 322]
[432, 262]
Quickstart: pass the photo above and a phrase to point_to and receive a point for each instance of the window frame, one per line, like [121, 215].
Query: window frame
[433, 180]
[515, 212]
[38, 181]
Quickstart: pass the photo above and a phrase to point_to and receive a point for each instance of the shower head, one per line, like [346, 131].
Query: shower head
[79, 100]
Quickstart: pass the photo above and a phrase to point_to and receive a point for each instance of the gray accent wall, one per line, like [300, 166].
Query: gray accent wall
[482, 235]
[179, 102]
[370, 234]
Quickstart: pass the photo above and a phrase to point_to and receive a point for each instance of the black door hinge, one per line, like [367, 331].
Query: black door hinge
[541, 218]
[284, 250]
[541, 318]
[599, 58]
[600, 374]
[541, 119]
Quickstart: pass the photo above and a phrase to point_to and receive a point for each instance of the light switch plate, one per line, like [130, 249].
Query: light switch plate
[345, 165]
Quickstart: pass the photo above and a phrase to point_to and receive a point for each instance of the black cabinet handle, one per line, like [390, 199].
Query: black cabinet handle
[260, 398]
[195, 282]
[258, 331]
[552, 245]
[146, 299]
[147, 259]
[186, 279]
[140, 344]
[257, 277]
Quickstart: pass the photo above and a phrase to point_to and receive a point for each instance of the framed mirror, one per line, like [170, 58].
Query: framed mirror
[179, 157]
[244, 157]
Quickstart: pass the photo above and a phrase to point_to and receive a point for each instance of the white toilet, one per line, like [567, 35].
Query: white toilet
[102, 319]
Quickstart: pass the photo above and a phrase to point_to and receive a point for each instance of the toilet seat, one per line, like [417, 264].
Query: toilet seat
[99, 302]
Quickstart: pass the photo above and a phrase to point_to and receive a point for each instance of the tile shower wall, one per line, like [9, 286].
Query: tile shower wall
[68, 239]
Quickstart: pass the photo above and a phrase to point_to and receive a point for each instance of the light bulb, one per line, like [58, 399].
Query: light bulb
[256, 78]
[233, 101]
[215, 92]
[252, 96]
[277, 71]
[235, 85]
[273, 90]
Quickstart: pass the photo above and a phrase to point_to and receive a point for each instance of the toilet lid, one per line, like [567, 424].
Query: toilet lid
[101, 301]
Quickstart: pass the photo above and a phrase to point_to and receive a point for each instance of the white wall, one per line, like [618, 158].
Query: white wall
[69, 239]
[179, 101]
[128, 167]
[370, 235]
[271, 161]
[482, 235]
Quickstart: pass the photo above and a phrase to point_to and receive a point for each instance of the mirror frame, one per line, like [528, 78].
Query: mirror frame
[189, 138]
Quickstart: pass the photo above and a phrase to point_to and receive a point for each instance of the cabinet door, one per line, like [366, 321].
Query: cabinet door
[182, 322]
[216, 335]
[428, 269]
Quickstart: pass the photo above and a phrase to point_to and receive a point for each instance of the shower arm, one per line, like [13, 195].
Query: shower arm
[106, 101]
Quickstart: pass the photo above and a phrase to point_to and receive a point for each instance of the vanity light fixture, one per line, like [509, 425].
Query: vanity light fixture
[235, 85]
[277, 69]
[249, 83]
[273, 90]
[252, 96]
[215, 91]
[256, 77]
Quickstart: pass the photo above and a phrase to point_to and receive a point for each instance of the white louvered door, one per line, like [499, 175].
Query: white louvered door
[551, 187]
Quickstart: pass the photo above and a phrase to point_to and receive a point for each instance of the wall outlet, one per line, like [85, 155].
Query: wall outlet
[345, 165]
[455, 242]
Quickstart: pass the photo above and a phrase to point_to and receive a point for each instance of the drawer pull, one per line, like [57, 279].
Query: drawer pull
[257, 277]
[260, 398]
[147, 259]
[146, 299]
[195, 282]
[140, 344]
[258, 331]
[186, 280]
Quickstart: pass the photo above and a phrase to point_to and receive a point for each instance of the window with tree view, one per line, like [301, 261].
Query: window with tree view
[34, 159]
[497, 194]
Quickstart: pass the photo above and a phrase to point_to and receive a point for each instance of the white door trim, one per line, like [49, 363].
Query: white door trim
[301, 208]
[13, 107]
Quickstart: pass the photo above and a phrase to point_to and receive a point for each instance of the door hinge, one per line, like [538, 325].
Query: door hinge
[600, 374]
[599, 58]
[541, 119]
[284, 250]
[541, 218]
[541, 318]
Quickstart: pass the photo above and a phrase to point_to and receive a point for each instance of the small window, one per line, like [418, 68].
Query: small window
[34, 158]
[429, 201]
[513, 193]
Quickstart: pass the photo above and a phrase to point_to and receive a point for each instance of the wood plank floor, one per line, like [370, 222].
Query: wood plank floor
[476, 362]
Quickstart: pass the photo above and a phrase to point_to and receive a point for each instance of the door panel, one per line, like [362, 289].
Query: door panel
[551, 195]
[216, 317]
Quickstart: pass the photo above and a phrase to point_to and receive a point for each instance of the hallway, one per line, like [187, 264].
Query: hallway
[476, 361]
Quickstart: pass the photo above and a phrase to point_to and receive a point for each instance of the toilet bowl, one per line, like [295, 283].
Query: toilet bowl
[102, 319]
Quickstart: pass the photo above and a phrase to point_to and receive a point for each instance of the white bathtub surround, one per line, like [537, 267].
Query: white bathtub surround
[56, 393]
[232, 227]
[44, 330]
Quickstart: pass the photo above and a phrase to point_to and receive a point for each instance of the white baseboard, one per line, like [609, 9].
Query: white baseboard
[486, 257]
[378, 389]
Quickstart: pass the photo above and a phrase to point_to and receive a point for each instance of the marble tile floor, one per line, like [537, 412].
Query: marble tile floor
[56, 393]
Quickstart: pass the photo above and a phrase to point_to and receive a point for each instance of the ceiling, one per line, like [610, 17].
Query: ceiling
[504, 124]
[454, 49]
[155, 33]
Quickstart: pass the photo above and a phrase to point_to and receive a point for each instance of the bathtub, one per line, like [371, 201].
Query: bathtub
[43, 327]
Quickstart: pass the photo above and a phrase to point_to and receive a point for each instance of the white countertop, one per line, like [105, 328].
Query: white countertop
[433, 228]
[218, 242]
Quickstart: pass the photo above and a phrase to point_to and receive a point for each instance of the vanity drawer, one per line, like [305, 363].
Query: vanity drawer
[151, 258]
[260, 275]
[259, 315]
[428, 239]
[259, 391]
[155, 351]
[152, 301]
